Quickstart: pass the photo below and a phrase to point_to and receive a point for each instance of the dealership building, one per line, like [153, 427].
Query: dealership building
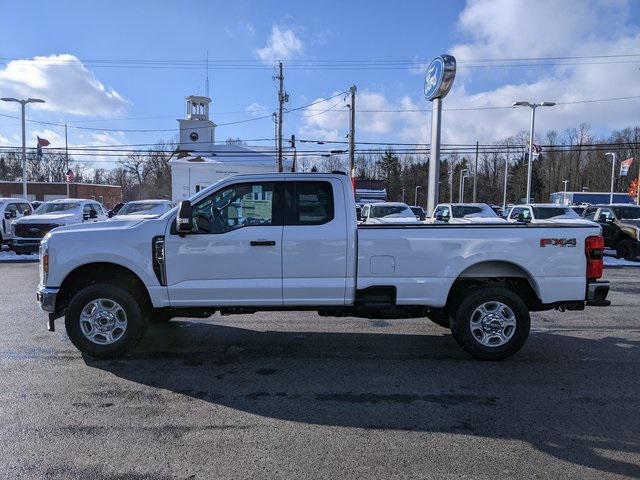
[108, 195]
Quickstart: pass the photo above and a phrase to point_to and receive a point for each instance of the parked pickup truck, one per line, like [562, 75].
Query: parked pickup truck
[291, 242]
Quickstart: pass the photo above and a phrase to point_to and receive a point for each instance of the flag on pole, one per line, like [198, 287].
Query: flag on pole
[70, 176]
[624, 166]
[42, 142]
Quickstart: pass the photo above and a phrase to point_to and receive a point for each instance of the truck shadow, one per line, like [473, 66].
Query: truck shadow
[573, 398]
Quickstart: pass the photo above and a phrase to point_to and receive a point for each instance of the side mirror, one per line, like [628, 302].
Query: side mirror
[110, 213]
[442, 218]
[358, 214]
[7, 215]
[523, 219]
[27, 213]
[93, 214]
[184, 217]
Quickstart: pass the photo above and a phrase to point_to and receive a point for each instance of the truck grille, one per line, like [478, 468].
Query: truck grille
[33, 230]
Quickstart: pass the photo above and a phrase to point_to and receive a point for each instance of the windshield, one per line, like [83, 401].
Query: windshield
[471, 211]
[395, 211]
[627, 213]
[56, 207]
[146, 208]
[544, 213]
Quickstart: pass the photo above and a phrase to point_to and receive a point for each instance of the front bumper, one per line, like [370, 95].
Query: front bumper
[25, 245]
[597, 292]
[47, 298]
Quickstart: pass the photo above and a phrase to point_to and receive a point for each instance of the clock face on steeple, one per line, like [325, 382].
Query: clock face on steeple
[193, 136]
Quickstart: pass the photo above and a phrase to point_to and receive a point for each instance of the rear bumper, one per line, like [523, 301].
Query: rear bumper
[597, 292]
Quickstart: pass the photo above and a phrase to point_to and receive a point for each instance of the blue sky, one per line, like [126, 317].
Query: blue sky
[73, 36]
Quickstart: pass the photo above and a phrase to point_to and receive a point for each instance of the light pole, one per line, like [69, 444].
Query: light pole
[533, 107]
[506, 173]
[613, 173]
[23, 104]
[461, 191]
[403, 195]
[415, 196]
[564, 199]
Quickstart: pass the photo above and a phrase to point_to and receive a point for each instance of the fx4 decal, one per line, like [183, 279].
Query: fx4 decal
[557, 242]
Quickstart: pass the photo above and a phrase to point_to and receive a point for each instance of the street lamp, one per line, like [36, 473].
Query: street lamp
[564, 200]
[415, 196]
[533, 107]
[403, 195]
[613, 173]
[462, 177]
[23, 103]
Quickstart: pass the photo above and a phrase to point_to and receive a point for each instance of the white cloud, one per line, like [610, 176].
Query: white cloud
[513, 29]
[4, 141]
[256, 109]
[281, 45]
[63, 82]
[329, 119]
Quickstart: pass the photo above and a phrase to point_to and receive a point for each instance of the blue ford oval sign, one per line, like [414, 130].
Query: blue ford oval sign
[439, 77]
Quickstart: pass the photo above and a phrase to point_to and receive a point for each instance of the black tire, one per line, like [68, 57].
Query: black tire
[464, 313]
[626, 249]
[160, 316]
[136, 320]
[440, 317]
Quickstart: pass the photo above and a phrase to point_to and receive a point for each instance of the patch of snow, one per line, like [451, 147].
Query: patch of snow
[7, 256]
[619, 262]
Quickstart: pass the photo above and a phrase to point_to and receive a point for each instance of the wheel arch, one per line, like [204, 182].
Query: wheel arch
[498, 272]
[100, 272]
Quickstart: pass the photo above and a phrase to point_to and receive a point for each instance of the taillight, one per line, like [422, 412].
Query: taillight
[594, 250]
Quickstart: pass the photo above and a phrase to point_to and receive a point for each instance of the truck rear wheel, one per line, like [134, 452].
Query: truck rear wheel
[104, 321]
[491, 323]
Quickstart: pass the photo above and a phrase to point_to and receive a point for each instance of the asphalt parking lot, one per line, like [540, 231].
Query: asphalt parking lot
[291, 395]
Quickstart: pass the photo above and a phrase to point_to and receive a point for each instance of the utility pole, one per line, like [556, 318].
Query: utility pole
[274, 117]
[415, 196]
[281, 100]
[403, 195]
[475, 174]
[352, 133]
[66, 158]
[564, 199]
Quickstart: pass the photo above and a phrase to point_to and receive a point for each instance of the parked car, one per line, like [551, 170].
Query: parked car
[11, 209]
[28, 231]
[464, 213]
[544, 213]
[143, 209]
[419, 213]
[620, 227]
[387, 212]
[291, 241]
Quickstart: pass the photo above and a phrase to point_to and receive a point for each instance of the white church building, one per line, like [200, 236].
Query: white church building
[199, 161]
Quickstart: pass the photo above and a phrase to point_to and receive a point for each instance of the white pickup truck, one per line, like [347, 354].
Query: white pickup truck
[291, 242]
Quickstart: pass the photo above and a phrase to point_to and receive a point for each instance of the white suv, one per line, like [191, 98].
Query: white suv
[28, 231]
[11, 209]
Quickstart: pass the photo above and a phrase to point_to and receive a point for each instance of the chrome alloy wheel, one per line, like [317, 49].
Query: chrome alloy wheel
[493, 324]
[103, 321]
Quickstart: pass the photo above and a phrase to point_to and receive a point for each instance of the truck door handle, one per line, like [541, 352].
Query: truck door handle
[263, 243]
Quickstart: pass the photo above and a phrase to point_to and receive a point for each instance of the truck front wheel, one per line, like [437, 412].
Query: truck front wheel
[104, 321]
[491, 323]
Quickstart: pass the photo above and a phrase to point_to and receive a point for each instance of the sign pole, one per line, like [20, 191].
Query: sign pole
[433, 185]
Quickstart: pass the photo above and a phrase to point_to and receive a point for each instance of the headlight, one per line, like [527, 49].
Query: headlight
[44, 262]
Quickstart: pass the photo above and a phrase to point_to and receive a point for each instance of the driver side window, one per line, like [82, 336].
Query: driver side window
[235, 206]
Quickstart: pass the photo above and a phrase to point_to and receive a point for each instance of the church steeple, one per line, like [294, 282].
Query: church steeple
[197, 132]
